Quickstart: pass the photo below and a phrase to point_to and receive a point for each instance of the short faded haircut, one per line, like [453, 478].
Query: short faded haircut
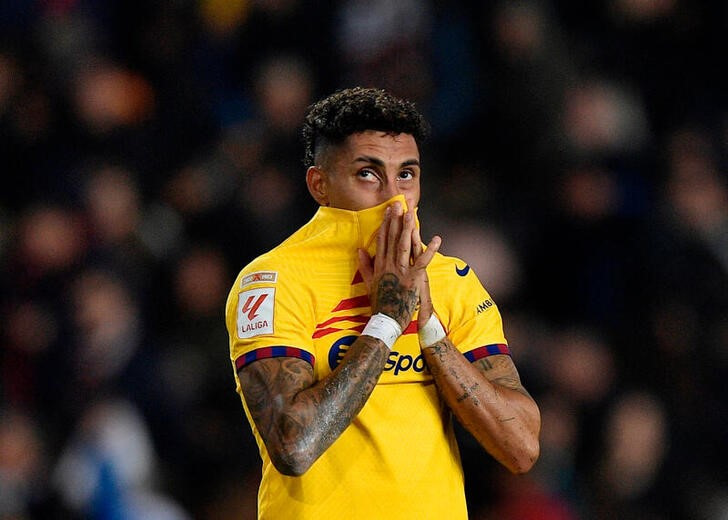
[350, 111]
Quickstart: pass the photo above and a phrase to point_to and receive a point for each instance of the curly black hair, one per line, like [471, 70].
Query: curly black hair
[345, 112]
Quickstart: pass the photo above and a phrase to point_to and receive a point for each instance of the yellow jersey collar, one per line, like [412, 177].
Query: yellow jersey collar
[365, 221]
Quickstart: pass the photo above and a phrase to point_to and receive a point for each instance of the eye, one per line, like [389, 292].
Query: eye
[367, 174]
[406, 175]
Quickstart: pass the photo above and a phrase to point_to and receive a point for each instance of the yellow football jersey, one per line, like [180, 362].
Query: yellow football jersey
[306, 299]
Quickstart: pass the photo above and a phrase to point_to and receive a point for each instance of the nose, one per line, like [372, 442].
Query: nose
[390, 189]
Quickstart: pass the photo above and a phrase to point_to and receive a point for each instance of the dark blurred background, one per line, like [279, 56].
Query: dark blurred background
[150, 149]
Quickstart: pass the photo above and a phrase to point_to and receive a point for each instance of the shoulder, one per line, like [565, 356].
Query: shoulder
[449, 268]
[264, 269]
[288, 265]
[452, 279]
[270, 269]
[264, 274]
[284, 258]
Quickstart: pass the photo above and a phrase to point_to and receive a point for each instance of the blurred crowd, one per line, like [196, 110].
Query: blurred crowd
[150, 149]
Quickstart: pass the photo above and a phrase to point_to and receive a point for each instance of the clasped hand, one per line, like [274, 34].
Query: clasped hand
[397, 276]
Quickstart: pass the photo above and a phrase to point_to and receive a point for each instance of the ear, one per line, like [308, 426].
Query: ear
[317, 185]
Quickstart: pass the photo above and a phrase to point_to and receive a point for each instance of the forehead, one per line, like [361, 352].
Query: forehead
[383, 145]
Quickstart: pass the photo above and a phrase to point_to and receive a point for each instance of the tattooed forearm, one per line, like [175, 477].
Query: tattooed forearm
[469, 392]
[489, 401]
[395, 300]
[298, 420]
[346, 391]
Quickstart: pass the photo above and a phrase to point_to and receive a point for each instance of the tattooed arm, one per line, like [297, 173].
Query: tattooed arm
[487, 396]
[488, 399]
[297, 419]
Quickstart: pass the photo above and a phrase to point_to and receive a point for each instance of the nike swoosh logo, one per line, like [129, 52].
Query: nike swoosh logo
[463, 271]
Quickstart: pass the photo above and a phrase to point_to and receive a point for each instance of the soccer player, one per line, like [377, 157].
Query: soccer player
[353, 343]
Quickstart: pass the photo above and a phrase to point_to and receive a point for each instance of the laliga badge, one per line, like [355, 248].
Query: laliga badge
[255, 312]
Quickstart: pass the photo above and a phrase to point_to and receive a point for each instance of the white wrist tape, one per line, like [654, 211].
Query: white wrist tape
[384, 328]
[431, 333]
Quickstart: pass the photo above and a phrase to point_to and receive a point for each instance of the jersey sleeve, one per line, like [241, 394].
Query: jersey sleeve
[268, 315]
[470, 316]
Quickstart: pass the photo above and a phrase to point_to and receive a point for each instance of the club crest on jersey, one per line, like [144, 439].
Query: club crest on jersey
[255, 312]
[260, 276]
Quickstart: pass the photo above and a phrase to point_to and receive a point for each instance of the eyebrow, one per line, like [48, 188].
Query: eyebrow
[379, 162]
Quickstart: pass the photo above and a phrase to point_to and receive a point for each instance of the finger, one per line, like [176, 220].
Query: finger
[425, 258]
[380, 258]
[404, 247]
[417, 248]
[425, 304]
[395, 228]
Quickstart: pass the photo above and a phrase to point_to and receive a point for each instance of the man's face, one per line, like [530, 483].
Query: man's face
[368, 169]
